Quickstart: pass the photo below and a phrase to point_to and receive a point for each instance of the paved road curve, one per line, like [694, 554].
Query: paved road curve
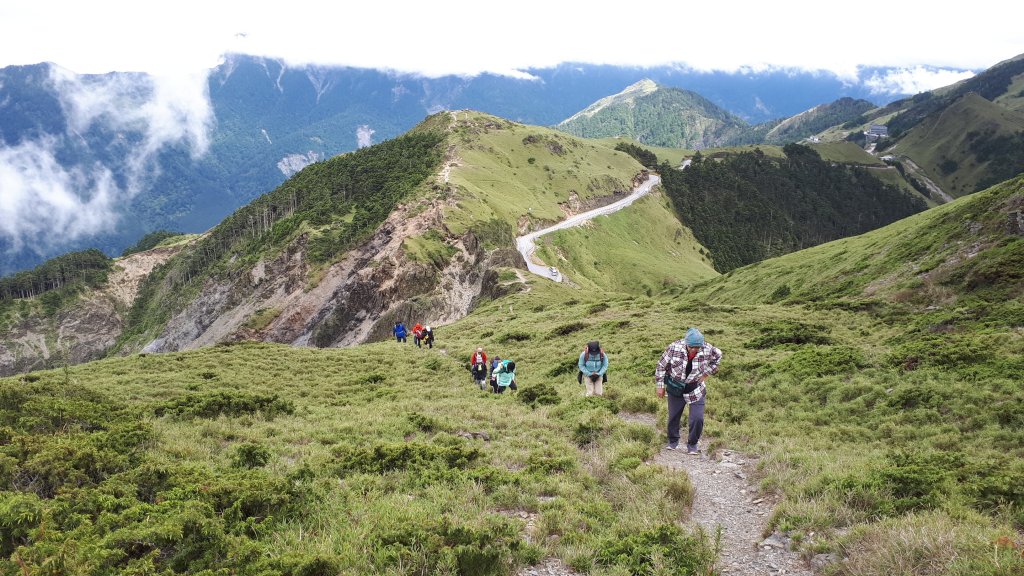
[527, 244]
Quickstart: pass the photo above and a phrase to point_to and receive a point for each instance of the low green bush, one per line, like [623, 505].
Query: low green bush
[226, 403]
[536, 394]
[406, 456]
[666, 545]
[786, 332]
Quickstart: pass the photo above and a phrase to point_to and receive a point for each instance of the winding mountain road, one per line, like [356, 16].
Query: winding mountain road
[527, 244]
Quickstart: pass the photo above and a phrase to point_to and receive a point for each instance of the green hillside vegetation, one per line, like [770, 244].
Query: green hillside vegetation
[970, 145]
[892, 177]
[667, 117]
[846, 153]
[840, 152]
[337, 202]
[507, 171]
[52, 285]
[817, 120]
[958, 250]
[875, 380]
[642, 249]
[259, 459]
[150, 241]
[1014, 97]
[747, 207]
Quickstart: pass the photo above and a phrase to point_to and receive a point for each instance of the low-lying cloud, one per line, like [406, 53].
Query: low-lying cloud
[44, 203]
[914, 80]
[364, 136]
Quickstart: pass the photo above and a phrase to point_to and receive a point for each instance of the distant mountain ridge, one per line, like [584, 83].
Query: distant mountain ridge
[669, 117]
[269, 119]
[658, 116]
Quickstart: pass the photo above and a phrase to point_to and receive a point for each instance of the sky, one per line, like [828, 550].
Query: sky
[468, 37]
[43, 202]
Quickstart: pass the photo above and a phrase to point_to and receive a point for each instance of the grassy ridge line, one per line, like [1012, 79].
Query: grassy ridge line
[512, 172]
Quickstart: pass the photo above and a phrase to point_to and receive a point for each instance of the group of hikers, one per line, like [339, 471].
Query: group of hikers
[680, 376]
[421, 335]
[501, 373]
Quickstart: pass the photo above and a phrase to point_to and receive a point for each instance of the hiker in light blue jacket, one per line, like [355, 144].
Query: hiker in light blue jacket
[593, 365]
[505, 377]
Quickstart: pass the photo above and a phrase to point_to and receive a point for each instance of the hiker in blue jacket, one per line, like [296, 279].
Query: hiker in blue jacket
[505, 377]
[399, 332]
[593, 365]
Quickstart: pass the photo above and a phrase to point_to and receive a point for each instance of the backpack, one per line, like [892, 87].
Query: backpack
[586, 353]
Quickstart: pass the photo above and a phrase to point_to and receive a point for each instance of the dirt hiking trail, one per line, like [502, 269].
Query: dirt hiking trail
[723, 497]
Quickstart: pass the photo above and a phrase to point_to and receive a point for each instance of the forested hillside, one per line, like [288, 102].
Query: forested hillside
[748, 206]
[817, 119]
[335, 204]
[661, 117]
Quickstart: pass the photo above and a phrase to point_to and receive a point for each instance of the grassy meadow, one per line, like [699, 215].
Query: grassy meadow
[643, 250]
[509, 171]
[385, 458]
[875, 381]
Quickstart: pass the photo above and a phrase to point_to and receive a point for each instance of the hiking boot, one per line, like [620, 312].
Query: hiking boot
[692, 451]
[672, 446]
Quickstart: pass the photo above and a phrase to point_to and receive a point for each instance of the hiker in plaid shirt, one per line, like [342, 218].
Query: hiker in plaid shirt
[682, 370]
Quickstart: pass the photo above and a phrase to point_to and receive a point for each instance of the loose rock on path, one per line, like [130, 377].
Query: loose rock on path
[724, 497]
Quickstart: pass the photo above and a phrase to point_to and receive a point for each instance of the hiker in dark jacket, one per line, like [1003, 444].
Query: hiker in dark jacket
[593, 365]
[495, 363]
[478, 367]
[428, 336]
[399, 332]
[682, 370]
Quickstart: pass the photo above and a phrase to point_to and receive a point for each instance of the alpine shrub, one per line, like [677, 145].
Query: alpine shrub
[227, 403]
[666, 545]
[250, 455]
[541, 393]
[396, 457]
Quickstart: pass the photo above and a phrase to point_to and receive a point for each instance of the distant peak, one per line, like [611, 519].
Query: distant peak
[627, 96]
[645, 86]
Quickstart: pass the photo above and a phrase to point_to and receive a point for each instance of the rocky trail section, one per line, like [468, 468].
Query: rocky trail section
[725, 498]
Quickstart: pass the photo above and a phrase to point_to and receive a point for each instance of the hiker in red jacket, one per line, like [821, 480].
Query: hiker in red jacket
[478, 366]
[417, 334]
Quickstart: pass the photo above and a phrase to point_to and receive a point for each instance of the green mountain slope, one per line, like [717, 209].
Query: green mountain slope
[879, 397]
[658, 116]
[959, 252]
[750, 206]
[816, 120]
[967, 146]
[641, 250]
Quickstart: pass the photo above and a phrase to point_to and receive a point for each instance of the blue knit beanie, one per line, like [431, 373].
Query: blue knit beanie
[694, 337]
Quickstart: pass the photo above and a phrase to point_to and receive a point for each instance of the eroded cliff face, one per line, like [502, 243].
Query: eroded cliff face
[357, 299]
[82, 331]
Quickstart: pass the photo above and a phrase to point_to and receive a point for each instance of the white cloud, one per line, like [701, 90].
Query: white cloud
[43, 204]
[364, 136]
[913, 80]
[467, 37]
